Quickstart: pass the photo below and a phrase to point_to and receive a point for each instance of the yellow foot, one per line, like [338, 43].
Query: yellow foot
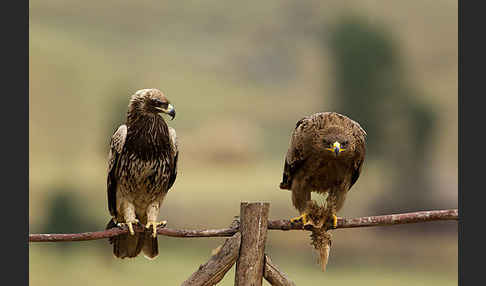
[331, 222]
[130, 225]
[334, 221]
[154, 226]
[302, 217]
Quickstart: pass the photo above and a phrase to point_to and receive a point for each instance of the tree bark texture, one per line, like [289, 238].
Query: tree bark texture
[253, 228]
[274, 276]
[214, 270]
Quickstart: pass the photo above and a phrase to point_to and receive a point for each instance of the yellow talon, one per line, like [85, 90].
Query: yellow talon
[130, 227]
[302, 217]
[154, 226]
[334, 221]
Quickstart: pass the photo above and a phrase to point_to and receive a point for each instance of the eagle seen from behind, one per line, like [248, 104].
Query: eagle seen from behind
[142, 167]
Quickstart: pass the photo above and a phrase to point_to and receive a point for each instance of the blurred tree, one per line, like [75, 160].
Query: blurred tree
[66, 215]
[364, 59]
[372, 88]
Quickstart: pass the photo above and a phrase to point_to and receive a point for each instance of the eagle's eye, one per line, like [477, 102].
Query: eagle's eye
[158, 102]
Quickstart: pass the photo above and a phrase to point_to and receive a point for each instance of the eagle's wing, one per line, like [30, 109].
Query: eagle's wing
[356, 171]
[174, 155]
[116, 147]
[296, 154]
[360, 135]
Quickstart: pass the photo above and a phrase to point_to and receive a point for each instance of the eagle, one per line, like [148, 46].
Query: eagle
[142, 167]
[326, 155]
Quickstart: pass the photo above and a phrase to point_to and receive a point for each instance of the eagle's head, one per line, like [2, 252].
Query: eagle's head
[338, 142]
[151, 102]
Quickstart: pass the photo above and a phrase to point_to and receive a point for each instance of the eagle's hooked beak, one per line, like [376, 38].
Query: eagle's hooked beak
[169, 111]
[336, 148]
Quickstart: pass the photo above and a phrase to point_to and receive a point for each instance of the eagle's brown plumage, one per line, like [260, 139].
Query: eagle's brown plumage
[325, 156]
[142, 167]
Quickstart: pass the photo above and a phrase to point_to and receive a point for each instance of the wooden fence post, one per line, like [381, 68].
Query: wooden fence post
[253, 228]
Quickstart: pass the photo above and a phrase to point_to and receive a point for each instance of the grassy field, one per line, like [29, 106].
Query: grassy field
[90, 264]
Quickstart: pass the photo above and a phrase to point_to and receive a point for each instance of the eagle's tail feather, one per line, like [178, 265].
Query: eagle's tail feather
[150, 246]
[125, 245]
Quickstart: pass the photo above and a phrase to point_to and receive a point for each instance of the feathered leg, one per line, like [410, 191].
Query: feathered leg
[150, 246]
[300, 201]
[152, 214]
[126, 245]
[334, 203]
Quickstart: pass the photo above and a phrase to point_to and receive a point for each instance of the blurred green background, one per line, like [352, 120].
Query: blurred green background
[240, 75]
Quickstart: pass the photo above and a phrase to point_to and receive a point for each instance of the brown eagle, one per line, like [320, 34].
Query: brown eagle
[325, 156]
[142, 167]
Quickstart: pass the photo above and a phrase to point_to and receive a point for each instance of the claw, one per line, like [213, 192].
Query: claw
[129, 224]
[154, 225]
[130, 227]
[334, 221]
[302, 217]
[331, 222]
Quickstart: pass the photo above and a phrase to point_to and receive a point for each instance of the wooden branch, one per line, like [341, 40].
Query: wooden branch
[383, 220]
[253, 228]
[274, 276]
[186, 233]
[214, 270]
